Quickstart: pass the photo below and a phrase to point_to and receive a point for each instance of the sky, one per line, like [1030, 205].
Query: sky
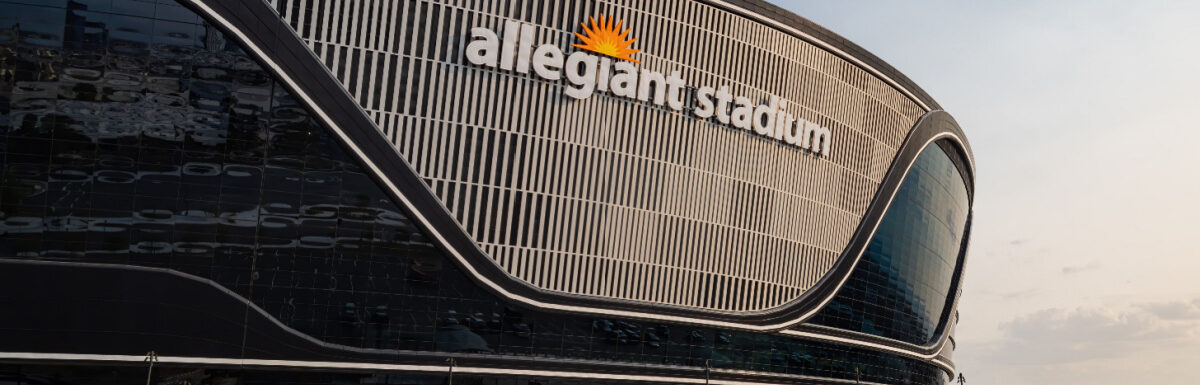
[1084, 267]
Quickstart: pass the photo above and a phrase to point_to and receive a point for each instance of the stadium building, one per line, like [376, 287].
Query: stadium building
[504, 192]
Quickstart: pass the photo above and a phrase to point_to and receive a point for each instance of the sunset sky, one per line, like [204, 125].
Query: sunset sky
[1084, 266]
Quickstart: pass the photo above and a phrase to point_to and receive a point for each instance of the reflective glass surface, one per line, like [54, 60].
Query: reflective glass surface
[131, 132]
[900, 287]
[183, 375]
[189, 375]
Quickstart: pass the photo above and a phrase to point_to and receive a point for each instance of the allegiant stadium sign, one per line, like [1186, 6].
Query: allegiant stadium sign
[587, 74]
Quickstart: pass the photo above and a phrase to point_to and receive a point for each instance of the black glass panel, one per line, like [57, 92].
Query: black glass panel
[131, 132]
[190, 375]
[900, 287]
[185, 375]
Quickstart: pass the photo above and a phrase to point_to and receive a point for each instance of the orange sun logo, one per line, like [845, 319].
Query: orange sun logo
[606, 39]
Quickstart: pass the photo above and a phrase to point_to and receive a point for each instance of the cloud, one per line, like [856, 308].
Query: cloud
[1177, 311]
[1060, 336]
[1145, 343]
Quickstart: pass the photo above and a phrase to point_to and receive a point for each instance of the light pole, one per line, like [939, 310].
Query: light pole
[151, 357]
[707, 369]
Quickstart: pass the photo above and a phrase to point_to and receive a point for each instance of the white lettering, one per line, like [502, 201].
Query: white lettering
[815, 138]
[523, 48]
[741, 113]
[675, 91]
[651, 78]
[791, 130]
[624, 83]
[508, 45]
[548, 62]
[581, 71]
[781, 120]
[764, 117]
[586, 73]
[602, 77]
[723, 98]
[704, 103]
[482, 51]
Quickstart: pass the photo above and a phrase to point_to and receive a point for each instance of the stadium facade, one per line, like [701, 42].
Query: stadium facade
[483, 192]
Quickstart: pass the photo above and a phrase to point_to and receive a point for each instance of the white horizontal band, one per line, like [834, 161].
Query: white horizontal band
[440, 369]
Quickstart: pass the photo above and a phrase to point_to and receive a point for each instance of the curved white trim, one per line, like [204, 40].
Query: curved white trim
[874, 228]
[826, 46]
[945, 365]
[439, 369]
[470, 268]
[264, 314]
[934, 358]
[940, 344]
[942, 360]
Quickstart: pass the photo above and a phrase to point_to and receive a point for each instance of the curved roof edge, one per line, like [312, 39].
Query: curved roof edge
[783, 16]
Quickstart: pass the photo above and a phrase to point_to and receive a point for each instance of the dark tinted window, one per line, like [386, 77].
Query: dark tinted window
[899, 288]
